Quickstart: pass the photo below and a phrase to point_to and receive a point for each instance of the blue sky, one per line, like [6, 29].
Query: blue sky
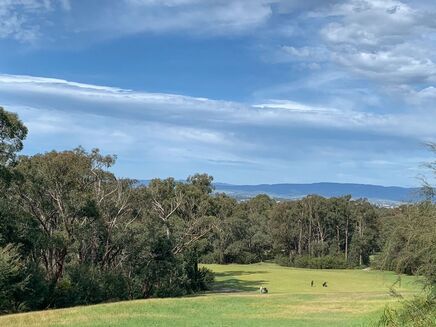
[250, 91]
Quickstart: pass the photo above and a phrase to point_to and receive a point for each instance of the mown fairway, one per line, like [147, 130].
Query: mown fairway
[352, 298]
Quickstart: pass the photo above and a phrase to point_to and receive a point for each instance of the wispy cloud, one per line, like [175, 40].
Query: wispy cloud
[29, 21]
[159, 129]
[23, 20]
[198, 17]
[179, 109]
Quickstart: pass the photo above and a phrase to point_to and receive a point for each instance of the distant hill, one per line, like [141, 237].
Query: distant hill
[382, 195]
[374, 193]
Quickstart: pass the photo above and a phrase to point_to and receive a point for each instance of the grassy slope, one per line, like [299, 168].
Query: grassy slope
[352, 298]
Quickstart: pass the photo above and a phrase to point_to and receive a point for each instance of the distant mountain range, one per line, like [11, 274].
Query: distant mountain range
[381, 195]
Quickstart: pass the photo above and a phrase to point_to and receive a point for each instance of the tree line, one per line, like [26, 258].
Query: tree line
[312, 232]
[72, 233]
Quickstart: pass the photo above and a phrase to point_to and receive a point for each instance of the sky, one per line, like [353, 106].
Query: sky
[249, 91]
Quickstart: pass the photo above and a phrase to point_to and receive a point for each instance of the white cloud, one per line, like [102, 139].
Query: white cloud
[428, 92]
[185, 111]
[197, 17]
[32, 20]
[390, 42]
[23, 20]
[391, 66]
[371, 22]
[163, 130]
[382, 39]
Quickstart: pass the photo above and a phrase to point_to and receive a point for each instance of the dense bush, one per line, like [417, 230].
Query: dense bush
[81, 236]
[13, 279]
[325, 262]
[411, 248]
[86, 284]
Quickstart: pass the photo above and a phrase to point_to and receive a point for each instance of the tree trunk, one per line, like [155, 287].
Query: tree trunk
[346, 240]
[167, 230]
[300, 237]
[361, 237]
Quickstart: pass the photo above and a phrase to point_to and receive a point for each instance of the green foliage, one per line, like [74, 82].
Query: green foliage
[12, 279]
[417, 312]
[88, 237]
[324, 262]
[86, 284]
[411, 247]
[317, 232]
[12, 134]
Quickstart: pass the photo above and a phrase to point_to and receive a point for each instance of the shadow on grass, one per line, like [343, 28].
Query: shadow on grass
[239, 273]
[237, 285]
[232, 285]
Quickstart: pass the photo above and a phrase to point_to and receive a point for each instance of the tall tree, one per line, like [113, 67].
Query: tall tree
[12, 134]
[55, 190]
[13, 277]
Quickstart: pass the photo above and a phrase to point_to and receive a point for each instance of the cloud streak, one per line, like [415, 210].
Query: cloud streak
[179, 109]
[159, 130]
[34, 21]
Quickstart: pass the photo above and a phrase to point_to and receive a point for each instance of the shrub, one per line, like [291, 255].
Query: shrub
[12, 280]
[206, 278]
[325, 262]
[418, 312]
[87, 284]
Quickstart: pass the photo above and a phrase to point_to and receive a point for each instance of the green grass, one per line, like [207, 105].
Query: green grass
[352, 298]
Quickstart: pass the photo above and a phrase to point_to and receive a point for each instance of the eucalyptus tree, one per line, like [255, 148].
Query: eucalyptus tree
[13, 274]
[285, 226]
[364, 241]
[12, 134]
[61, 192]
[182, 212]
[258, 210]
[166, 199]
[183, 208]
[222, 236]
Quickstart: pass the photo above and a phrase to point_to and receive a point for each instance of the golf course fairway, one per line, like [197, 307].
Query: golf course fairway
[351, 298]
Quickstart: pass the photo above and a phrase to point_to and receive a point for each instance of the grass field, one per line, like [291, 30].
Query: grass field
[352, 298]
